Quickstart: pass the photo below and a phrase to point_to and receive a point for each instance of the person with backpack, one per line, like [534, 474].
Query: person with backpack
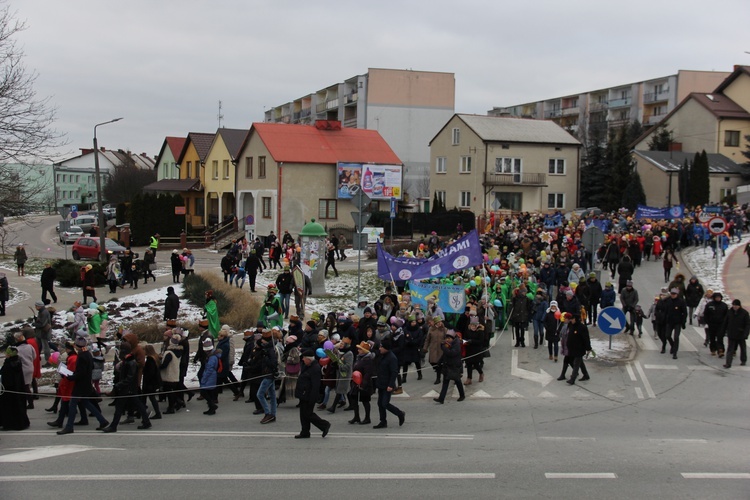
[269, 364]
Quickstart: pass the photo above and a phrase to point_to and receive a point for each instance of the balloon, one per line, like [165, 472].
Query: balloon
[327, 345]
[530, 296]
[472, 284]
[498, 303]
[319, 352]
[357, 377]
[487, 279]
[324, 361]
[478, 280]
[54, 358]
[558, 314]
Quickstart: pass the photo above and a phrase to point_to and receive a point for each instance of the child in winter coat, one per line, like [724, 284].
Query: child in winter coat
[638, 319]
[608, 295]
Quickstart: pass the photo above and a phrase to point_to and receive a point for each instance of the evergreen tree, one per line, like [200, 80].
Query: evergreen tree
[435, 203]
[699, 185]
[746, 152]
[620, 170]
[634, 194]
[662, 139]
[593, 171]
[683, 182]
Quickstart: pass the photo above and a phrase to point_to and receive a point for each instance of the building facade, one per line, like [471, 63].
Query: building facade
[483, 163]
[406, 108]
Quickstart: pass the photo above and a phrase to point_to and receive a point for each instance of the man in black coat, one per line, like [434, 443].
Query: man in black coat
[252, 266]
[736, 327]
[83, 390]
[595, 287]
[714, 315]
[171, 304]
[387, 372]
[48, 283]
[451, 366]
[307, 391]
[676, 315]
[578, 344]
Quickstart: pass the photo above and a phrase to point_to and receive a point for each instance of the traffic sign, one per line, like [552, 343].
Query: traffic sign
[713, 210]
[64, 211]
[704, 217]
[73, 214]
[592, 239]
[74, 208]
[394, 208]
[360, 219]
[361, 200]
[250, 220]
[179, 210]
[717, 225]
[611, 320]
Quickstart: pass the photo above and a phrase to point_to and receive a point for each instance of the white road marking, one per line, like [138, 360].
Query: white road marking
[248, 477]
[402, 395]
[512, 395]
[566, 438]
[581, 394]
[678, 440]
[542, 377]
[431, 394]
[686, 345]
[646, 383]
[31, 454]
[716, 475]
[480, 394]
[700, 368]
[741, 368]
[647, 343]
[639, 392]
[661, 367]
[580, 475]
[233, 434]
[613, 394]
[546, 394]
[631, 373]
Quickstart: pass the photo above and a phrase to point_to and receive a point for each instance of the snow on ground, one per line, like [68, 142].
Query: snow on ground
[703, 264]
[620, 347]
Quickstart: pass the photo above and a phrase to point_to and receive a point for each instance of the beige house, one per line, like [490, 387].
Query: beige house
[659, 172]
[289, 174]
[715, 122]
[485, 163]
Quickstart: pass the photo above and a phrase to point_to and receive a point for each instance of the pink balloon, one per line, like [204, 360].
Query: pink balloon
[54, 358]
[324, 361]
[357, 377]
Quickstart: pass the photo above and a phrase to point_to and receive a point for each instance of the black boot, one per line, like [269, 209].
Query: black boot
[437, 380]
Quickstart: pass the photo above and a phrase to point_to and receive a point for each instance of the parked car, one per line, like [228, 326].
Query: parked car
[71, 235]
[85, 222]
[88, 248]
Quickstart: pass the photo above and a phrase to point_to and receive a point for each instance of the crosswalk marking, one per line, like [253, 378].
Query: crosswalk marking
[512, 395]
[480, 394]
[546, 394]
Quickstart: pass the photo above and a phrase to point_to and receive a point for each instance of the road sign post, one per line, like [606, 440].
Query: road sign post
[592, 239]
[717, 226]
[611, 322]
[361, 201]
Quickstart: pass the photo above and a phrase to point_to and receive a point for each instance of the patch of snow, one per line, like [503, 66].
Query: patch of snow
[703, 264]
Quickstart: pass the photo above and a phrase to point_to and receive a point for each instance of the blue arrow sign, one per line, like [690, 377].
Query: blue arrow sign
[611, 320]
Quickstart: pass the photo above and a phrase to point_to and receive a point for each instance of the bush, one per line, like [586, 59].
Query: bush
[372, 251]
[237, 307]
[69, 272]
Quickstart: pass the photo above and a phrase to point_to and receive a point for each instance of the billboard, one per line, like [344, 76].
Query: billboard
[379, 182]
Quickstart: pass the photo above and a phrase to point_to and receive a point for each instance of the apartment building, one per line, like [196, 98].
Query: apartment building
[405, 107]
[597, 111]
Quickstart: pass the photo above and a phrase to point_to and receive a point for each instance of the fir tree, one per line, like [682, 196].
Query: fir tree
[683, 182]
[662, 139]
[634, 194]
[699, 185]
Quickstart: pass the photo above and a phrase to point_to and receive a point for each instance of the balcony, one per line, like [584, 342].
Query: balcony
[619, 103]
[654, 119]
[651, 97]
[597, 106]
[533, 180]
[351, 98]
[552, 113]
[571, 110]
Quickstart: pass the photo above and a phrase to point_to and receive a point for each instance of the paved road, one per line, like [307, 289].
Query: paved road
[649, 427]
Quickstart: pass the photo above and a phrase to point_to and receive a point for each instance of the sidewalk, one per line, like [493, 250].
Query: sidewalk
[736, 276]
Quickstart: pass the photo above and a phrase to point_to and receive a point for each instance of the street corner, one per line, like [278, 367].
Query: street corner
[624, 347]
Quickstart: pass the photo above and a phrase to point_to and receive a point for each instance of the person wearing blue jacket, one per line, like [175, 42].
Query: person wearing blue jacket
[608, 295]
[210, 376]
[539, 313]
[386, 383]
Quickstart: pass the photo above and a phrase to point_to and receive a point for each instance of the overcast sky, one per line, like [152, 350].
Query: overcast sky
[164, 65]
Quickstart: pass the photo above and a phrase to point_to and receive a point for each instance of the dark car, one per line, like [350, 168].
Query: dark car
[88, 248]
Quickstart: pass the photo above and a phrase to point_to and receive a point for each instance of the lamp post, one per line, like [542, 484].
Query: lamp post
[102, 222]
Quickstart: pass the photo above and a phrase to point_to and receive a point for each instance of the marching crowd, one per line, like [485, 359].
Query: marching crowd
[537, 279]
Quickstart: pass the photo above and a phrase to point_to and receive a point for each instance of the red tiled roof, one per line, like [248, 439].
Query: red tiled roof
[720, 105]
[308, 144]
[175, 145]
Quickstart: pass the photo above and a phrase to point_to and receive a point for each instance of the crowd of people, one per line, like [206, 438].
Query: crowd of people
[538, 280]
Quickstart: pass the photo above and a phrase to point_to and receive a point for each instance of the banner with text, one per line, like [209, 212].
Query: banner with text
[379, 182]
[450, 298]
[645, 212]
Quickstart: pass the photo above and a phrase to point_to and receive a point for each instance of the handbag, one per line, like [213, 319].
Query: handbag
[152, 267]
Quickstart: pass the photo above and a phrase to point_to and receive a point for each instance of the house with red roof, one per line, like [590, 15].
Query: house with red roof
[288, 175]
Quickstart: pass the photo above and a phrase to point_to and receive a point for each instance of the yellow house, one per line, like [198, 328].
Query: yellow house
[191, 164]
[220, 164]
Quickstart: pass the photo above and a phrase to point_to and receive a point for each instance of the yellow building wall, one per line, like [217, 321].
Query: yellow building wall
[739, 91]
[693, 126]
[733, 152]
[217, 185]
[191, 155]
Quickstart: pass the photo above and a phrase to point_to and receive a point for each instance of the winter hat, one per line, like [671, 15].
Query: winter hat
[629, 283]
[412, 317]
[364, 346]
[675, 290]
[93, 305]
[553, 303]
[176, 339]
[175, 251]
[474, 320]
[266, 334]
[81, 342]
[736, 302]
[367, 310]
[592, 275]
[291, 339]
[293, 318]
[39, 303]
[323, 333]
[569, 293]
[95, 349]
[450, 333]
[208, 344]
[312, 324]
[608, 284]
[335, 338]
[170, 290]
[382, 321]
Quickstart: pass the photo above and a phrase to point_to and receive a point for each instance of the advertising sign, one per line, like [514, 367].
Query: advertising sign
[379, 182]
[674, 212]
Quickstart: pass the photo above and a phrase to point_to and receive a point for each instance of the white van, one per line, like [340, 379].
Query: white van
[85, 222]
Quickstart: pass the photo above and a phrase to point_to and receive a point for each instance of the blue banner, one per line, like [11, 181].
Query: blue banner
[675, 212]
[450, 298]
[552, 221]
[461, 254]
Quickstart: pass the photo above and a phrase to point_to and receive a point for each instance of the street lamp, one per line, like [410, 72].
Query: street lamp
[102, 222]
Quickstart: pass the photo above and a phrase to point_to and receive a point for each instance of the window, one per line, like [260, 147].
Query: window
[226, 169]
[174, 175]
[215, 169]
[440, 196]
[249, 167]
[326, 209]
[456, 136]
[261, 167]
[440, 165]
[732, 138]
[465, 167]
[555, 200]
[189, 172]
[200, 205]
[557, 166]
[508, 201]
[165, 170]
[509, 166]
[464, 199]
[266, 207]
[724, 193]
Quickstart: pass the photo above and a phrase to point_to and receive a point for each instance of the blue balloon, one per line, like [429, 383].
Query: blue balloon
[498, 303]
[320, 353]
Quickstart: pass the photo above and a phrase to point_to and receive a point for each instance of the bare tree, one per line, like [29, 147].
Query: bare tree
[27, 135]
[127, 181]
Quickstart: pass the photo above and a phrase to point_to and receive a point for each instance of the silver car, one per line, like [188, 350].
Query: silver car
[71, 235]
